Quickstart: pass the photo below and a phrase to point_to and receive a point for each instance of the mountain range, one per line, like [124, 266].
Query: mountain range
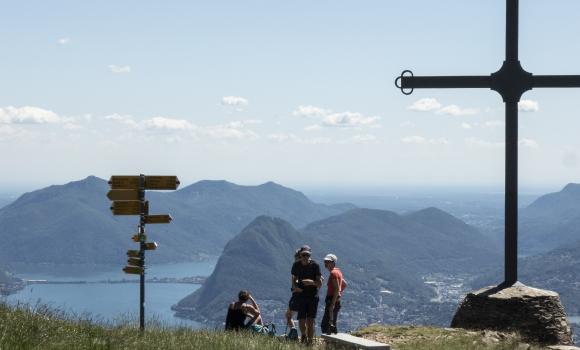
[380, 252]
[72, 223]
[550, 222]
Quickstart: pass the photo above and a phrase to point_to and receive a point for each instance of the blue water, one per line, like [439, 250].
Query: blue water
[116, 302]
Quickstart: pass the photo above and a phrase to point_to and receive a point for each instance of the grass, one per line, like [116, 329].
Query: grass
[41, 327]
[433, 338]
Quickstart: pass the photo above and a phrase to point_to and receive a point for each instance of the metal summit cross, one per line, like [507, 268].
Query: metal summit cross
[511, 81]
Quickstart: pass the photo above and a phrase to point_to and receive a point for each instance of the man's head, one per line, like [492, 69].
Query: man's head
[297, 255]
[305, 253]
[243, 295]
[330, 261]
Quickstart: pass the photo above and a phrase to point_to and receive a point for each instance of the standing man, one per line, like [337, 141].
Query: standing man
[306, 280]
[336, 285]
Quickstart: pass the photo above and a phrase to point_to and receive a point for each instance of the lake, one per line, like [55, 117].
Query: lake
[119, 301]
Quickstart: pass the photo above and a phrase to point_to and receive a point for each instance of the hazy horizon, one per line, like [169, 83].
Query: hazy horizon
[352, 189]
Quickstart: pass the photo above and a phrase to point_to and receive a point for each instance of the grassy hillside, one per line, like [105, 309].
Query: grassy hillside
[42, 328]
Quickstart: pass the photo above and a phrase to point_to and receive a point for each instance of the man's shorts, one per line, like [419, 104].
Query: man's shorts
[294, 303]
[308, 307]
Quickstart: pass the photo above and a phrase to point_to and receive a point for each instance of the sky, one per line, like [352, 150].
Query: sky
[298, 92]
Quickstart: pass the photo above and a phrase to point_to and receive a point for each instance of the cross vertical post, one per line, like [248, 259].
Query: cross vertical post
[511, 193]
[511, 81]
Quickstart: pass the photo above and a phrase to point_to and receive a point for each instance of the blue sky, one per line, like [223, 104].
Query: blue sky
[298, 92]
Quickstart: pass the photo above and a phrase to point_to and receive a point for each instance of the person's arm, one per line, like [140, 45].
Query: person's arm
[295, 288]
[343, 285]
[254, 304]
[252, 312]
[319, 281]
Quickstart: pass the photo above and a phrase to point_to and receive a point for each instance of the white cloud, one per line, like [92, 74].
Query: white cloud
[164, 125]
[63, 41]
[310, 112]
[407, 124]
[289, 137]
[314, 127]
[234, 101]
[282, 137]
[439, 141]
[420, 140]
[167, 124]
[456, 111]
[364, 139]
[348, 120]
[123, 119]
[119, 69]
[29, 115]
[425, 105]
[335, 119]
[72, 126]
[466, 126]
[414, 139]
[493, 124]
[528, 106]
[432, 105]
[475, 142]
[232, 130]
[528, 143]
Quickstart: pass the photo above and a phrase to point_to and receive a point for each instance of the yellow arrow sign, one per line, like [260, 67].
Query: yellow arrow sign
[126, 208]
[122, 182]
[151, 245]
[134, 261]
[123, 195]
[137, 237]
[152, 182]
[133, 253]
[135, 270]
[161, 182]
[158, 219]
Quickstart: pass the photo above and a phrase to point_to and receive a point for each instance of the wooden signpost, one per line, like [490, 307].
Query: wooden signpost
[128, 196]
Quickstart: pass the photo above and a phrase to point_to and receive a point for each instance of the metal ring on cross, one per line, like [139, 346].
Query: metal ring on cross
[399, 85]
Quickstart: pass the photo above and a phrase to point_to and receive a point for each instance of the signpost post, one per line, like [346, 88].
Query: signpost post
[128, 196]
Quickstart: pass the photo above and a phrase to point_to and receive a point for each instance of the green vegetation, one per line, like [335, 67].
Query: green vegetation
[40, 327]
[43, 328]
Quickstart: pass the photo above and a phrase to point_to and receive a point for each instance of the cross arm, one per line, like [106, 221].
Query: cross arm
[407, 82]
[553, 81]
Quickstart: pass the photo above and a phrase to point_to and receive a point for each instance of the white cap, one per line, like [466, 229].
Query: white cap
[330, 257]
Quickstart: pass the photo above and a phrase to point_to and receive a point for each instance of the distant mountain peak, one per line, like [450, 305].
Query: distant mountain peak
[571, 188]
[270, 184]
[431, 211]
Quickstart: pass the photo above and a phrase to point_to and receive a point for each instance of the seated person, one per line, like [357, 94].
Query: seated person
[239, 310]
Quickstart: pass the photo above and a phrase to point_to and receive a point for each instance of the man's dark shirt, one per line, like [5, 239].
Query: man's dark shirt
[309, 271]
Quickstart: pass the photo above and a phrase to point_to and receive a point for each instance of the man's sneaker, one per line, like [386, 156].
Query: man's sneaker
[293, 334]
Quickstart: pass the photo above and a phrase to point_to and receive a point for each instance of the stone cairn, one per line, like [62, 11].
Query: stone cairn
[536, 314]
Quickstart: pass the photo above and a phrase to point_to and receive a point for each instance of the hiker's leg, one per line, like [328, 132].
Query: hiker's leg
[289, 320]
[310, 327]
[325, 324]
[335, 318]
[302, 323]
